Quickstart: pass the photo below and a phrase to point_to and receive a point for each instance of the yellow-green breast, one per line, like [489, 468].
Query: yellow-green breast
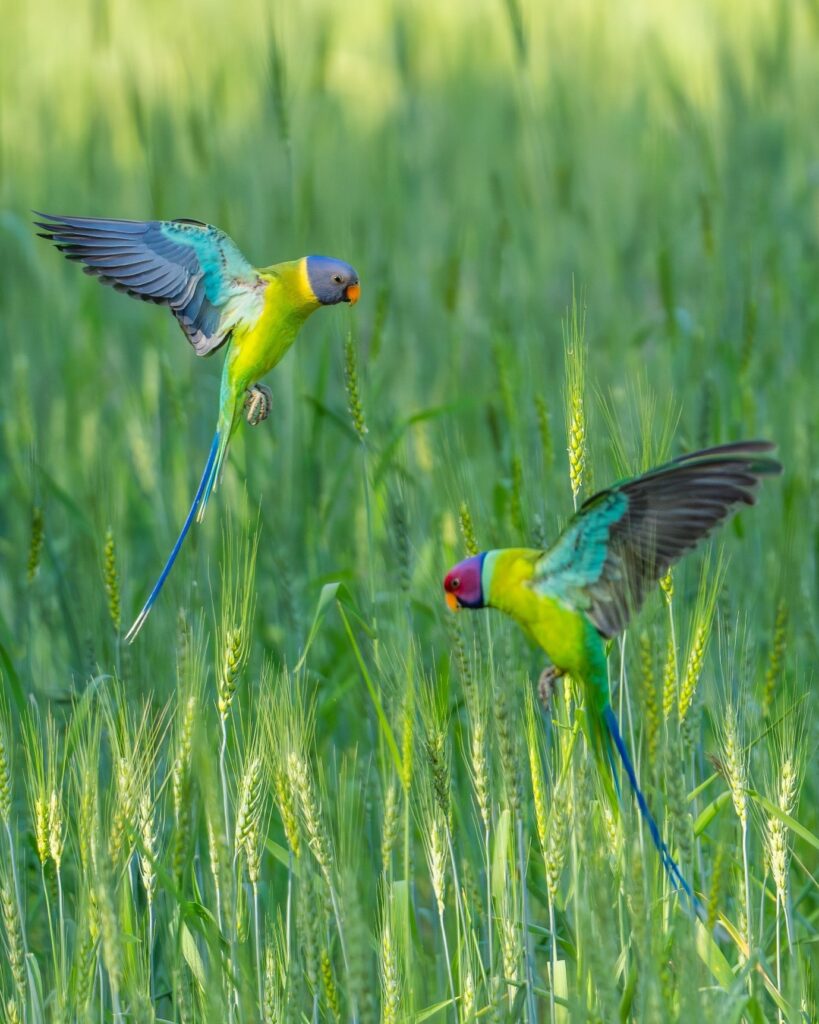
[559, 630]
[288, 301]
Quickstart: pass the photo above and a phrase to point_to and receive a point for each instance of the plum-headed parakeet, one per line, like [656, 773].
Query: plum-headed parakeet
[573, 597]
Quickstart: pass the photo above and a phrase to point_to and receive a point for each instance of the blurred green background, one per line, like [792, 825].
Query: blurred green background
[479, 164]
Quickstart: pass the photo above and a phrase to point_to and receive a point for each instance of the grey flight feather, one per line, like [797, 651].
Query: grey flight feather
[192, 268]
[624, 539]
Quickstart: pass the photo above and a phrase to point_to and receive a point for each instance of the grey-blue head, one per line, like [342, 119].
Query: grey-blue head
[332, 280]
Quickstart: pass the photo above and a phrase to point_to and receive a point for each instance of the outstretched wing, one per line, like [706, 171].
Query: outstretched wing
[621, 541]
[193, 268]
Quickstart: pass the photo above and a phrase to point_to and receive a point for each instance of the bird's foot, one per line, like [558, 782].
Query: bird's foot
[547, 685]
[258, 404]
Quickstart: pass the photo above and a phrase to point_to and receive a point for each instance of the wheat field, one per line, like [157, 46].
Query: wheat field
[588, 239]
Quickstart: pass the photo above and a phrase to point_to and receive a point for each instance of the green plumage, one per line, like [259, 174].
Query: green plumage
[193, 268]
[625, 538]
[574, 597]
[218, 299]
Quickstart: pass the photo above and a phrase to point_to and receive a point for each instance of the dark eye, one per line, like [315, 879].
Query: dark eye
[454, 584]
[338, 279]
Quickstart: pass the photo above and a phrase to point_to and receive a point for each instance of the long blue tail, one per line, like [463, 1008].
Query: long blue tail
[212, 470]
[131, 635]
[669, 863]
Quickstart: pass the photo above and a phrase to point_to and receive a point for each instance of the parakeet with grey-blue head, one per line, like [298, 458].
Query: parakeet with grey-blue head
[218, 299]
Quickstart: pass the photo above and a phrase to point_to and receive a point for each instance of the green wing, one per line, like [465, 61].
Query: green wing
[193, 268]
[623, 540]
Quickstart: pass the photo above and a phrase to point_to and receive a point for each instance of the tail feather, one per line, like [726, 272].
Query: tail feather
[212, 471]
[229, 418]
[200, 497]
[670, 865]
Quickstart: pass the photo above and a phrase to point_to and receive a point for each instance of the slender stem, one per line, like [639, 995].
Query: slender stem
[343, 944]
[115, 1003]
[257, 936]
[666, 826]
[16, 882]
[531, 1005]
[763, 895]
[370, 554]
[289, 908]
[214, 840]
[567, 771]
[786, 911]
[489, 915]
[48, 913]
[491, 650]
[461, 916]
[780, 1018]
[489, 926]
[448, 965]
[553, 958]
[151, 950]
[223, 777]
[408, 883]
[61, 920]
[747, 879]
[218, 889]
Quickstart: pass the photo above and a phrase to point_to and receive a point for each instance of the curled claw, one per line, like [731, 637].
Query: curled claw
[258, 404]
[547, 685]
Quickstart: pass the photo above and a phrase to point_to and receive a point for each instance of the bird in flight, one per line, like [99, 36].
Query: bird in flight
[582, 591]
[219, 300]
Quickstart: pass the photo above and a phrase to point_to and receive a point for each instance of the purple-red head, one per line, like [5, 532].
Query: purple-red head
[462, 584]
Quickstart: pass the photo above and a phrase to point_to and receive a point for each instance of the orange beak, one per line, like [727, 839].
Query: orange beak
[353, 292]
[452, 601]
